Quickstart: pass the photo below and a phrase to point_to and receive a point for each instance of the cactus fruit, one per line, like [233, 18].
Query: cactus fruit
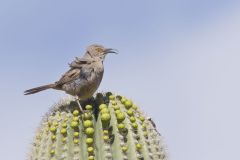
[111, 128]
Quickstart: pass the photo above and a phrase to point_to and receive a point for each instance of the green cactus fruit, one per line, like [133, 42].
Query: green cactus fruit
[111, 128]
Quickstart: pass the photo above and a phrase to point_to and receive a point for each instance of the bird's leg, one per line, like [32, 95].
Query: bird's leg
[78, 102]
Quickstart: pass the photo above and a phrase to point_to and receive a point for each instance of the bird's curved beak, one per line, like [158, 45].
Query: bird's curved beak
[110, 50]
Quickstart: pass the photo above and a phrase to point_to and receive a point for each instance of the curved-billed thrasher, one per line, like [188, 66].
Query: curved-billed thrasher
[84, 76]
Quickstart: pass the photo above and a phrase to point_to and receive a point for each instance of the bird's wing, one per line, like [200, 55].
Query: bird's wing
[79, 68]
[79, 62]
[69, 76]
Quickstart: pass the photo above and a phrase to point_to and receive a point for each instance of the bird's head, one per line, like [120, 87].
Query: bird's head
[98, 51]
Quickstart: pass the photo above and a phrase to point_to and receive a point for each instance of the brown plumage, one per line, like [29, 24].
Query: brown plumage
[84, 76]
[38, 89]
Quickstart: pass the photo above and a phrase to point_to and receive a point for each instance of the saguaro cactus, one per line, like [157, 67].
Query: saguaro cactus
[111, 128]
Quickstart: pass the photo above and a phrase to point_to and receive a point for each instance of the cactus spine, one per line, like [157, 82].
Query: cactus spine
[112, 128]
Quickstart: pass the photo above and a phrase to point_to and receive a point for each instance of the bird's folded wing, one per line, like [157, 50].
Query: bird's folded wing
[75, 71]
[79, 62]
[69, 76]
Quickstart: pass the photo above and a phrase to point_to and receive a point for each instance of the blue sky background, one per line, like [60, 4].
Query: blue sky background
[179, 60]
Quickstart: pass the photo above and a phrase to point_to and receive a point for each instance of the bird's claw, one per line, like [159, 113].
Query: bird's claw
[79, 105]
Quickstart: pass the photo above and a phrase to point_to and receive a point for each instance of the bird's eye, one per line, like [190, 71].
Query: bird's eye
[99, 49]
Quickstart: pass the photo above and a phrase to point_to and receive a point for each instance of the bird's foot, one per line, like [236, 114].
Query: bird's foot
[79, 105]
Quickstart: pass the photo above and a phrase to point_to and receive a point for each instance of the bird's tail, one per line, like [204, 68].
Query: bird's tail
[38, 89]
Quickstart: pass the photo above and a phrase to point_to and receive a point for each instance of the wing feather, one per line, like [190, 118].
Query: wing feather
[79, 62]
[78, 68]
[68, 77]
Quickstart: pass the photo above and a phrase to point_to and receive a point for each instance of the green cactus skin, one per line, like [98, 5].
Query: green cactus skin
[112, 128]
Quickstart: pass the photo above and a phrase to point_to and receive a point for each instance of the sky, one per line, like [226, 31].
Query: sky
[178, 60]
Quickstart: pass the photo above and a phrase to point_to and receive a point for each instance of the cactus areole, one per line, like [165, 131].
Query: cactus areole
[111, 128]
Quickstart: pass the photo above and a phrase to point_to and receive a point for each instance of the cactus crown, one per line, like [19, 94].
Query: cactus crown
[111, 128]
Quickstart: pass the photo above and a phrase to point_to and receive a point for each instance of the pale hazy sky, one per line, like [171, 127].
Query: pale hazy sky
[179, 61]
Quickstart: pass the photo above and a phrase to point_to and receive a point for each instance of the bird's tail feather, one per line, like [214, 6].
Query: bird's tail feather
[38, 89]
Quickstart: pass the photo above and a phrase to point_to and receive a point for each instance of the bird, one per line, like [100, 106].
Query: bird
[84, 76]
